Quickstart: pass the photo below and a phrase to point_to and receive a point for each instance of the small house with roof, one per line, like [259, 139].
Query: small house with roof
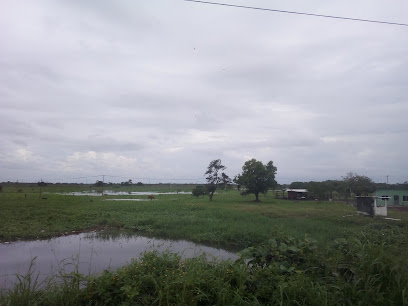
[297, 194]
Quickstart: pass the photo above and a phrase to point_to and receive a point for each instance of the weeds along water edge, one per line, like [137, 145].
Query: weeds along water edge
[89, 253]
[282, 270]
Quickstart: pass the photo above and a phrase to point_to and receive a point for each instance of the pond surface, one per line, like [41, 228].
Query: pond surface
[90, 252]
[111, 192]
[137, 200]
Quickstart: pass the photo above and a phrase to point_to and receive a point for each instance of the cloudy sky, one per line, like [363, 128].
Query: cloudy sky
[158, 89]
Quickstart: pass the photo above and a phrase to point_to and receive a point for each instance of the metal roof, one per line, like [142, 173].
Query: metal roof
[297, 190]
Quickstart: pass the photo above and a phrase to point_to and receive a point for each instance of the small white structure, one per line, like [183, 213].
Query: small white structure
[372, 205]
[382, 209]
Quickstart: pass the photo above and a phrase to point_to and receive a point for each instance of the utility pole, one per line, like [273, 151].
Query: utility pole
[103, 182]
[40, 189]
[387, 178]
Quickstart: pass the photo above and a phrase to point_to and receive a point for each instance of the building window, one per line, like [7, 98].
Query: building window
[405, 198]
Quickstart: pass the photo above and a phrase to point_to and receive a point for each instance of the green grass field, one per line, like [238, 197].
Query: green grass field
[230, 220]
[356, 260]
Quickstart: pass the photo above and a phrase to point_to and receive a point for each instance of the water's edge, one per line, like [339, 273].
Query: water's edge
[89, 253]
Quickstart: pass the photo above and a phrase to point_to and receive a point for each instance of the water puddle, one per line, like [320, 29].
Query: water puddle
[111, 192]
[90, 253]
[138, 200]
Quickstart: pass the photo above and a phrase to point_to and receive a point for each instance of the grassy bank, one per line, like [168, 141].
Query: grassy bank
[355, 260]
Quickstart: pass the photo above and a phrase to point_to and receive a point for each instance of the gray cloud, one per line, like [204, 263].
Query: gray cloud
[159, 89]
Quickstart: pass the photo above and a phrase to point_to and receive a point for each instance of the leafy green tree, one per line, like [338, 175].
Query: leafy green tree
[358, 184]
[256, 177]
[99, 183]
[127, 183]
[215, 177]
[297, 185]
[318, 190]
[199, 191]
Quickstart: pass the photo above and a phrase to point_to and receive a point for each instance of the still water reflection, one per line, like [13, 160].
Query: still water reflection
[90, 252]
[111, 192]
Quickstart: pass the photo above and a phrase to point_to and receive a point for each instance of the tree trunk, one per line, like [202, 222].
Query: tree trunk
[211, 195]
[256, 195]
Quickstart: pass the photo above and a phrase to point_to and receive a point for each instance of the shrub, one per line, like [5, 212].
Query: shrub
[199, 191]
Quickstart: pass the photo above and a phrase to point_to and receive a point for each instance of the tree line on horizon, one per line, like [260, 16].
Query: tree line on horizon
[258, 178]
[351, 185]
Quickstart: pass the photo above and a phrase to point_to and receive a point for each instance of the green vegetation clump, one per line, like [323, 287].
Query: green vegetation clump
[199, 191]
[280, 271]
[256, 178]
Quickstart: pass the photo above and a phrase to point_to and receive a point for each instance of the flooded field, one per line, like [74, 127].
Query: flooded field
[88, 253]
[118, 193]
[137, 200]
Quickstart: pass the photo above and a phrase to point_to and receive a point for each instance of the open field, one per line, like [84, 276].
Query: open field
[355, 259]
[230, 220]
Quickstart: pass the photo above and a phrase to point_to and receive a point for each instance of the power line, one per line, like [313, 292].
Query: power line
[77, 178]
[300, 13]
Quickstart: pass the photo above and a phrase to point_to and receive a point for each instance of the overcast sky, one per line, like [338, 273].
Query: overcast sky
[158, 89]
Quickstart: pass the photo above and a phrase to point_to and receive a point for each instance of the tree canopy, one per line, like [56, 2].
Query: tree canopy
[215, 177]
[256, 177]
[298, 185]
[351, 184]
[359, 184]
[199, 191]
[99, 183]
[127, 183]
